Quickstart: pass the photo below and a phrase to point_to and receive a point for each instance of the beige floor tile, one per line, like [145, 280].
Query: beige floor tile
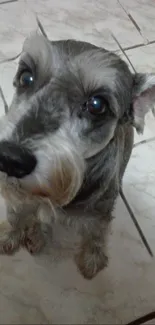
[87, 20]
[143, 58]
[7, 73]
[143, 12]
[16, 23]
[1, 108]
[139, 188]
[2, 55]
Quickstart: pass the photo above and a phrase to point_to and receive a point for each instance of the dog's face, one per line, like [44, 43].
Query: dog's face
[69, 99]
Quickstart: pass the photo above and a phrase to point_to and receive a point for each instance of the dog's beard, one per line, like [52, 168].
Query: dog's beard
[57, 178]
[62, 180]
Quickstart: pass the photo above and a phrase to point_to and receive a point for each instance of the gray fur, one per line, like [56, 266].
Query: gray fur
[81, 158]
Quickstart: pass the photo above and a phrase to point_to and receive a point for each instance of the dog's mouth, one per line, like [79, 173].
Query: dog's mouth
[40, 192]
[16, 194]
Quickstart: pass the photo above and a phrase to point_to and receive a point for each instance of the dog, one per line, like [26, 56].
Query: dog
[65, 144]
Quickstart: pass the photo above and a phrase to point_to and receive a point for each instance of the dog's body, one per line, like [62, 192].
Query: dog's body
[66, 141]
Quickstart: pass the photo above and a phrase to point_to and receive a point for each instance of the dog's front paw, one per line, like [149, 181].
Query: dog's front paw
[33, 239]
[9, 239]
[91, 260]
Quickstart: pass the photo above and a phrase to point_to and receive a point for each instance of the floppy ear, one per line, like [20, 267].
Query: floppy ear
[143, 99]
[39, 49]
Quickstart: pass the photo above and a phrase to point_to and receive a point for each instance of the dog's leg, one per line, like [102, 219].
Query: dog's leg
[33, 239]
[18, 230]
[92, 257]
[9, 238]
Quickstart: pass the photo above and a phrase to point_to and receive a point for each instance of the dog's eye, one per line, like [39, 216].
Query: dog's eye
[26, 79]
[96, 105]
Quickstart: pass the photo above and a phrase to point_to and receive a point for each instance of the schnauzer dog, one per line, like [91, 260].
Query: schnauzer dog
[65, 143]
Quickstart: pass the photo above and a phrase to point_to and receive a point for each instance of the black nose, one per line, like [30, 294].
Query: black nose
[16, 161]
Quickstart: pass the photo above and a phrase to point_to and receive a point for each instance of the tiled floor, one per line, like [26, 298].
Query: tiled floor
[47, 289]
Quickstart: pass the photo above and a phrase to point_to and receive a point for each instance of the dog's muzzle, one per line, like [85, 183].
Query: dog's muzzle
[55, 172]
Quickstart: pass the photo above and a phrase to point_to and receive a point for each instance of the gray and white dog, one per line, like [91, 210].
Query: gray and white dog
[66, 141]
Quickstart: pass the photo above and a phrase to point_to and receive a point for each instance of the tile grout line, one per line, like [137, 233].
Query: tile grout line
[6, 108]
[41, 27]
[7, 1]
[144, 142]
[131, 213]
[134, 23]
[138, 46]
[143, 319]
[122, 50]
[10, 59]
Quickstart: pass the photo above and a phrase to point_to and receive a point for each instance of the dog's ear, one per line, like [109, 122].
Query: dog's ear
[143, 98]
[38, 48]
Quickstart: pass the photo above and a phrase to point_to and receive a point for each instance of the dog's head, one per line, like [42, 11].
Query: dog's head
[70, 98]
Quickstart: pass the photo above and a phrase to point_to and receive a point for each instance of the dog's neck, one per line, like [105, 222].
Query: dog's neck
[104, 173]
[98, 173]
